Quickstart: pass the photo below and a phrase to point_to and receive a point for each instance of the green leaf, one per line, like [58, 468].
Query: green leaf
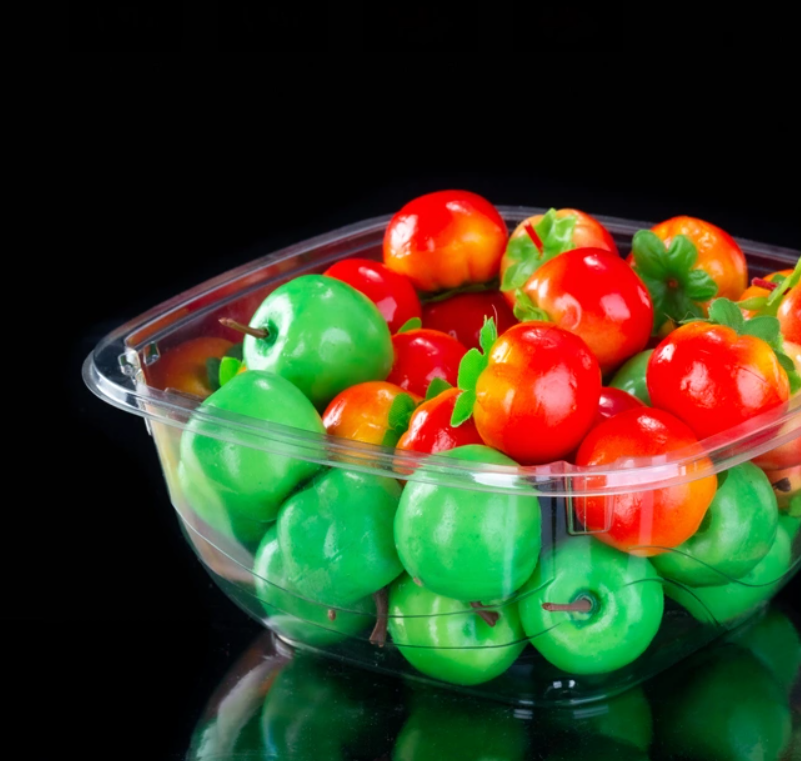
[436, 387]
[545, 225]
[766, 328]
[521, 248]
[681, 308]
[463, 409]
[488, 335]
[391, 438]
[525, 310]
[790, 369]
[235, 351]
[754, 304]
[411, 324]
[400, 411]
[779, 279]
[682, 255]
[726, 312]
[557, 236]
[649, 254]
[213, 372]
[518, 274]
[700, 286]
[787, 284]
[472, 365]
[786, 362]
[658, 290]
[229, 367]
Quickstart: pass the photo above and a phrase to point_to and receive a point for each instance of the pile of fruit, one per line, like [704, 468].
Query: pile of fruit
[546, 346]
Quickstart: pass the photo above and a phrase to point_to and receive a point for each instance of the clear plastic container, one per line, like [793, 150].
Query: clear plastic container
[122, 371]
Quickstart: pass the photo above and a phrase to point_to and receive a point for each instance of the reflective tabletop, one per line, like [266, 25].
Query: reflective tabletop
[738, 700]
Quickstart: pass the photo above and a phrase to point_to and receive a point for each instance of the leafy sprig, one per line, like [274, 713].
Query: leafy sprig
[221, 370]
[525, 309]
[398, 417]
[472, 365]
[413, 323]
[550, 237]
[436, 387]
[677, 290]
[769, 305]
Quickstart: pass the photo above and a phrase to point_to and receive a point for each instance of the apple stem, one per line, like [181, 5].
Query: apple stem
[417, 581]
[332, 614]
[783, 485]
[379, 634]
[583, 605]
[766, 284]
[532, 233]
[490, 617]
[238, 326]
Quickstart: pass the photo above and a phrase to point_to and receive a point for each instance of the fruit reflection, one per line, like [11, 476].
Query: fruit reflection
[624, 719]
[729, 708]
[730, 702]
[317, 710]
[444, 727]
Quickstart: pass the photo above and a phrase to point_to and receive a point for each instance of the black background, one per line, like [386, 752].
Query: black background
[164, 178]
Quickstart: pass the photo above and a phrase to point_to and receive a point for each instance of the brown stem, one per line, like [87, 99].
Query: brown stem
[417, 581]
[582, 605]
[234, 325]
[766, 284]
[332, 614]
[532, 233]
[489, 617]
[783, 485]
[379, 635]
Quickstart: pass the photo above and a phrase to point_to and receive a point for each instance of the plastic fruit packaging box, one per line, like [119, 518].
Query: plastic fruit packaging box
[544, 583]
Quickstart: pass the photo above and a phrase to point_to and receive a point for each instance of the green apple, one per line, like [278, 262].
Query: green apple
[447, 640]
[291, 615]
[738, 530]
[728, 602]
[322, 335]
[791, 525]
[468, 545]
[336, 536]
[238, 489]
[631, 377]
[590, 609]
